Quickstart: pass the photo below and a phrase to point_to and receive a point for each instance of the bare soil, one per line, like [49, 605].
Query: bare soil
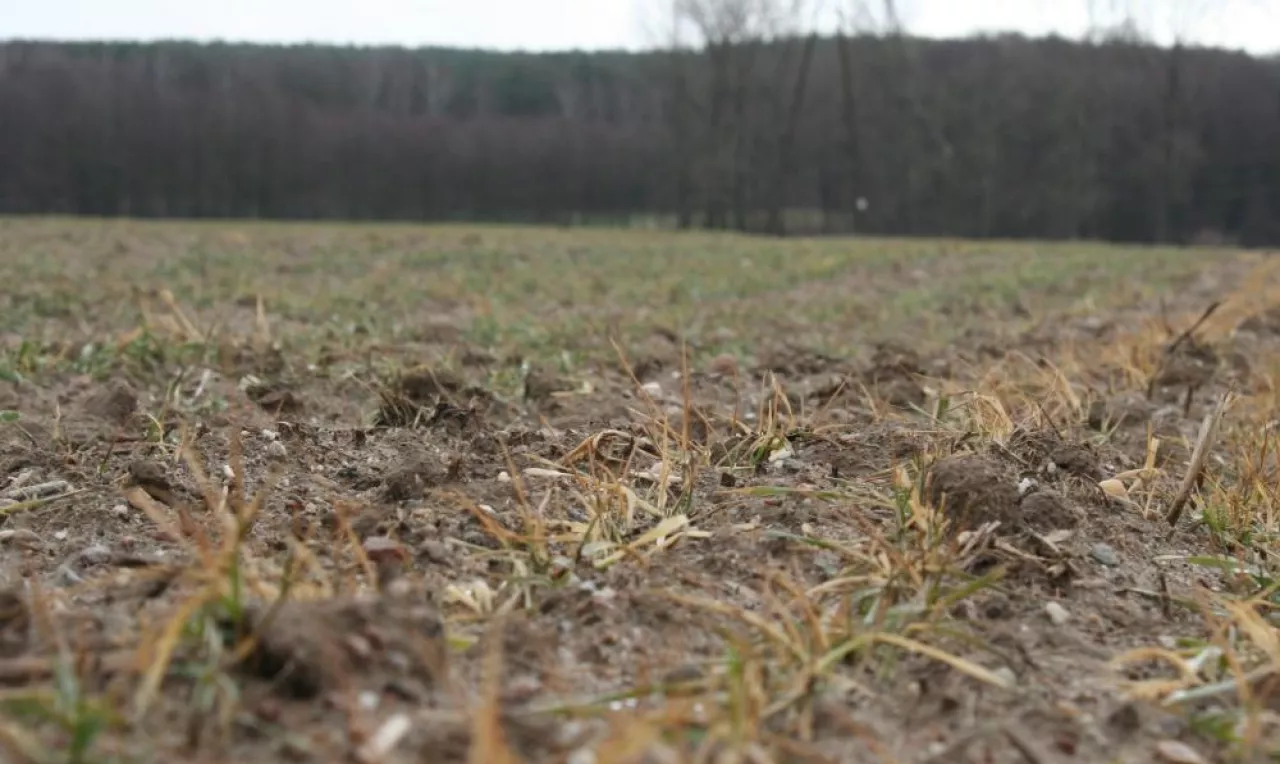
[291, 493]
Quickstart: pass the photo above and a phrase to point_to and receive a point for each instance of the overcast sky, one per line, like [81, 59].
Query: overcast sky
[557, 24]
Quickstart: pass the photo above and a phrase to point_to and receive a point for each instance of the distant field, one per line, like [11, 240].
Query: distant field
[729, 292]
[497, 494]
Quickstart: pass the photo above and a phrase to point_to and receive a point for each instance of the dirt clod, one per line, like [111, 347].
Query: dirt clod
[973, 490]
[1192, 364]
[115, 402]
[411, 478]
[895, 375]
[411, 399]
[277, 397]
[15, 623]
[305, 648]
[1075, 459]
[540, 385]
[153, 477]
[1047, 510]
[723, 365]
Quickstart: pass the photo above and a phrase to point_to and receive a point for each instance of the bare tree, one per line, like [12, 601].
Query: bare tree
[749, 111]
[723, 30]
[885, 19]
[1173, 150]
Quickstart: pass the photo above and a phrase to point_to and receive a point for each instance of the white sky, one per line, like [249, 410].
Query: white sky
[557, 24]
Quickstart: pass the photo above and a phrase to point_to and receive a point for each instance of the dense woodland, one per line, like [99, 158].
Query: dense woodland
[887, 134]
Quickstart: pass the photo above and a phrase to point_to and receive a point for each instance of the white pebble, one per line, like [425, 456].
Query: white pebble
[1178, 753]
[96, 554]
[1057, 613]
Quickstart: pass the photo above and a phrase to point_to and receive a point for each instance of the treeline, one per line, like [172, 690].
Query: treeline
[1003, 137]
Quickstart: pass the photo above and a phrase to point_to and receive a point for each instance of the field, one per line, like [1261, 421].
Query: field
[280, 492]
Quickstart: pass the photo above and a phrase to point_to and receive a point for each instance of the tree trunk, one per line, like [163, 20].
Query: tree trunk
[787, 140]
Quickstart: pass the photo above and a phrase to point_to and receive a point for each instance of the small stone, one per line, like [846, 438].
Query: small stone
[570, 733]
[269, 435]
[1105, 554]
[522, 688]
[98, 554]
[380, 547]
[22, 538]
[1006, 674]
[1125, 719]
[1178, 753]
[996, 607]
[276, 450]
[369, 700]
[435, 551]
[120, 510]
[683, 674]
[1057, 613]
[652, 389]
[397, 588]
[296, 748]
[582, 756]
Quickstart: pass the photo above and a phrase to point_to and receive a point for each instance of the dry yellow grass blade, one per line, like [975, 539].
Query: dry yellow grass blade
[153, 659]
[1115, 488]
[262, 323]
[1208, 432]
[959, 664]
[666, 527]
[21, 747]
[591, 446]
[667, 532]
[488, 738]
[1263, 635]
[1186, 674]
[866, 639]
[629, 741]
[810, 613]
[188, 327]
